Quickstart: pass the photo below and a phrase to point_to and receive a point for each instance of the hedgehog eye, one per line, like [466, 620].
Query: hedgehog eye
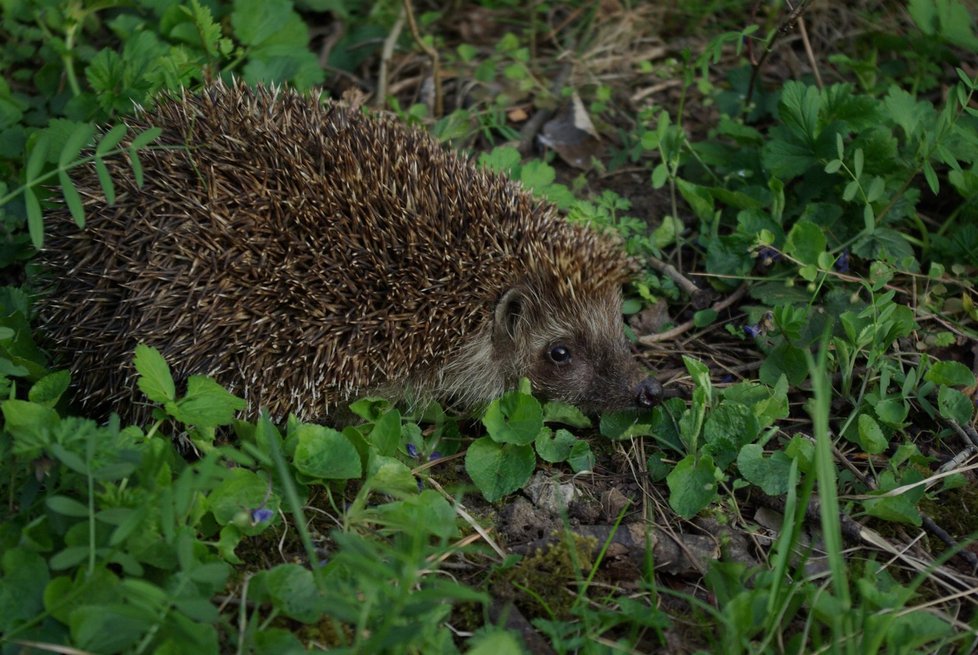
[559, 354]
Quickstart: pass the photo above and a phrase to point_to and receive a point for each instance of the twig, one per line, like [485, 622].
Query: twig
[670, 271]
[783, 29]
[809, 53]
[380, 98]
[432, 55]
[650, 339]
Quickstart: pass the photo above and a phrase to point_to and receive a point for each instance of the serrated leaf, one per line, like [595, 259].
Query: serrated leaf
[105, 180]
[207, 404]
[155, 380]
[110, 140]
[78, 139]
[950, 373]
[72, 198]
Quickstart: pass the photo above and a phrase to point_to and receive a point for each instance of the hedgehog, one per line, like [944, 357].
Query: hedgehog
[303, 254]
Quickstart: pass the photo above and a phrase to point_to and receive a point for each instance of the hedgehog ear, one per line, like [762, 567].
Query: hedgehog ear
[509, 309]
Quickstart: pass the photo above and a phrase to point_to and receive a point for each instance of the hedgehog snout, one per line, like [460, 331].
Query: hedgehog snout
[648, 393]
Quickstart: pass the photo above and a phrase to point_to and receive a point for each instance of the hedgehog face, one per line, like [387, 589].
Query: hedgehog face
[576, 353]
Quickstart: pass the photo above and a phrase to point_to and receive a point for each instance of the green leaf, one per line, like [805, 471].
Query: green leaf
[557, 412]
[498, 469]
[768, 473]
[892, 411]
[105, 180]
[799, 109]
[48, 390]
[145, 137]
[556, 446]
[67, 506]
[137, 166]
[35, 219]
[692, 485]
[72, 199]
[805, 242]
[207, 404]
[241, 490]
[581, 458]
[37, 158]
[155, 380]
[515, 418]
[871, 437]
[386, 433]
[80, 137]
[698, 198]
[110, 140]
[950, 373]
[292, 590]
[785, 360]
[726, 429]
[954, 405]
[326, 454]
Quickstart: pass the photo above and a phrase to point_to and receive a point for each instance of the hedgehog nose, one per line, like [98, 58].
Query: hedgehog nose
[648, 393]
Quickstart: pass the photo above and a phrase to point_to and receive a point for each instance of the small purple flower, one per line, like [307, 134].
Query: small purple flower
[768, 255]
[412, 451]
[842, 263]
[261, 515]
[434, 455]
[753, 331]
[420, 484]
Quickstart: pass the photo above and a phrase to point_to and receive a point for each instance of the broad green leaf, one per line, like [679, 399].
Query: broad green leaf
[581, 458]
[768, 473]
[326, 454]
[515, 418]
[805, 242]
[871, 437]
[207, 404]
[498, 469]
[692, 485]
[386, 433]
[954, 405]
[292, 590]
[48, 390]
[950, 373]
[554, 446]
[728, 427]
